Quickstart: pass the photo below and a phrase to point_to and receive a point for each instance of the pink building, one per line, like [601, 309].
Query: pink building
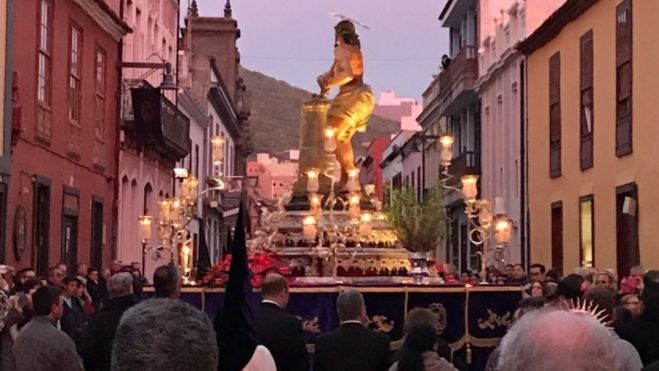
[500, 85]
[275, 176]
[146, 166]
[405, 110]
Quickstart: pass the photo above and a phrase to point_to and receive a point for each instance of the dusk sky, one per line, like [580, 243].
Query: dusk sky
[292, 40]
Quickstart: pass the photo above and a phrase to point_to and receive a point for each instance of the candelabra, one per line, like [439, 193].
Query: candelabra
[175, 215]
[321, 225]
[481, 220]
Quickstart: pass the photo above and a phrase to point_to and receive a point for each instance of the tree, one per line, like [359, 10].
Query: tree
[419, 226]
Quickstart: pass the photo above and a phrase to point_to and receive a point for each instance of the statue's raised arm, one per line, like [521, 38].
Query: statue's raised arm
[354, 103]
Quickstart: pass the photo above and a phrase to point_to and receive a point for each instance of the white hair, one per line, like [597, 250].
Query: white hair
[164, 334]
[552, 339]
[120, 284]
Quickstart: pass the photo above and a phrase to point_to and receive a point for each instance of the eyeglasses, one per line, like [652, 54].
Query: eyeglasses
[603, 282]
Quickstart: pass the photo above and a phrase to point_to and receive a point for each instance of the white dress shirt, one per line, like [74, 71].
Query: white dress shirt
[261, 360]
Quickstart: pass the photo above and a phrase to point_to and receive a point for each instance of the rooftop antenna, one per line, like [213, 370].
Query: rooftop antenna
[344, 18]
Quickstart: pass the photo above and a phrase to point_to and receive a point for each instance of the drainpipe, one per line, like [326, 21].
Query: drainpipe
[524, 216]
[115, 206]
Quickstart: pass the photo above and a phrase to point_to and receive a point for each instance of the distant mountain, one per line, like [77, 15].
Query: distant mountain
[275, 118]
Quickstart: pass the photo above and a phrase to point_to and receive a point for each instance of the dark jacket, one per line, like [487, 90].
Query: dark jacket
[282, 334]
[352, 347]
[73, 320]
[96, 341]
[94, 290]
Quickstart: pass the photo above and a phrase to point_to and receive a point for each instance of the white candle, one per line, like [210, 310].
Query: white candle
[353, 210]
[175, 211]
[312, 181]
[353, 180]
[365, 227]
[309, 228]
[314, 201]
[330, 140]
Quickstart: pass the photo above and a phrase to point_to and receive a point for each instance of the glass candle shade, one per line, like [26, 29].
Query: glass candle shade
[217, 143]
[309, 230]
[330, 140]
[312, 181]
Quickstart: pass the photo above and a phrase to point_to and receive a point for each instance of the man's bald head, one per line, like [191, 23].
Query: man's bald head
[275, 288]
[550, 339]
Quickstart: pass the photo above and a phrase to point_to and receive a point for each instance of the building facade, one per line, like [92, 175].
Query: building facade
[403, 110]
[592, 150]
[65, 134]
[208, 71]
[392, 164]
[458, 103]
[500, 85]
[370, 170]
[275, 176]
[6, 82]
[148, 154]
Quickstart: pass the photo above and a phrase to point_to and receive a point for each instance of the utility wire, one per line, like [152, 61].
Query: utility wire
[330, 58]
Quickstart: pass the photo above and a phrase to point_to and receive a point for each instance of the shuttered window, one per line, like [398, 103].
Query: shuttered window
[624, 78]
[587, 100]
[555, 115]
[557, 235]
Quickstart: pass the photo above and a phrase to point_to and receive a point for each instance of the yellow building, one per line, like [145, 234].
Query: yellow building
[593, 135]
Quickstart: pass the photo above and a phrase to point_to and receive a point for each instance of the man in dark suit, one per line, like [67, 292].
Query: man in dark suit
[278, 330]
[352, 346]
[74, 318]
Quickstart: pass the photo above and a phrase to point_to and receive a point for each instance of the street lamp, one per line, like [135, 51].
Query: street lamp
[146, 231]
[478, 211]
[176, 213]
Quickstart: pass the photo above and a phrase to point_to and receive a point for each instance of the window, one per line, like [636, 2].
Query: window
[627, 212]
[587, 100]
[97, 232]
[99, 97]
[557, 235]
[44, 68]
[586, 230]
[196, 160]
[624, 78]
[555, 115]
[75, 73]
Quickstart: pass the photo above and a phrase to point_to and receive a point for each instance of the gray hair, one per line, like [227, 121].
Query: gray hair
[551, 339]
[164, 334]
[349, 305]
[121, 284]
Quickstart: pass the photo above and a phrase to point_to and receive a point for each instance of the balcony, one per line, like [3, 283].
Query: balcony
[157, 124]
[456, 82]
[465, 163]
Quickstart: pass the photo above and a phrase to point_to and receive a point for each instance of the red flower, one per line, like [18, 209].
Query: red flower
[257, 281]
[284, 269]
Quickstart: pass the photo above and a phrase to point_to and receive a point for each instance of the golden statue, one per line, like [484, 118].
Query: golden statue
[353, 105]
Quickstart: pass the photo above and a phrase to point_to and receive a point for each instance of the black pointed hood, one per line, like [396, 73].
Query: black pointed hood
[234, 327]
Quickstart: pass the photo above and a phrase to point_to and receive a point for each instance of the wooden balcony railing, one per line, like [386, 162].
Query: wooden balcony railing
[460, 74]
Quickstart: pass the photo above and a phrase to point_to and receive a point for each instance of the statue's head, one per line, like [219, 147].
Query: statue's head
[345, 30]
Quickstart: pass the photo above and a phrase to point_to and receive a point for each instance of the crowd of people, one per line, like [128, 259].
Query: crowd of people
[90, 320]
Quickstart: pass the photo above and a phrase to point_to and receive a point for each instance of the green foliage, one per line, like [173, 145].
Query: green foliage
[420, 226]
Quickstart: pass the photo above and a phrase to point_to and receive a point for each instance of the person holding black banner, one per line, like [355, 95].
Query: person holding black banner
[352, 346]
